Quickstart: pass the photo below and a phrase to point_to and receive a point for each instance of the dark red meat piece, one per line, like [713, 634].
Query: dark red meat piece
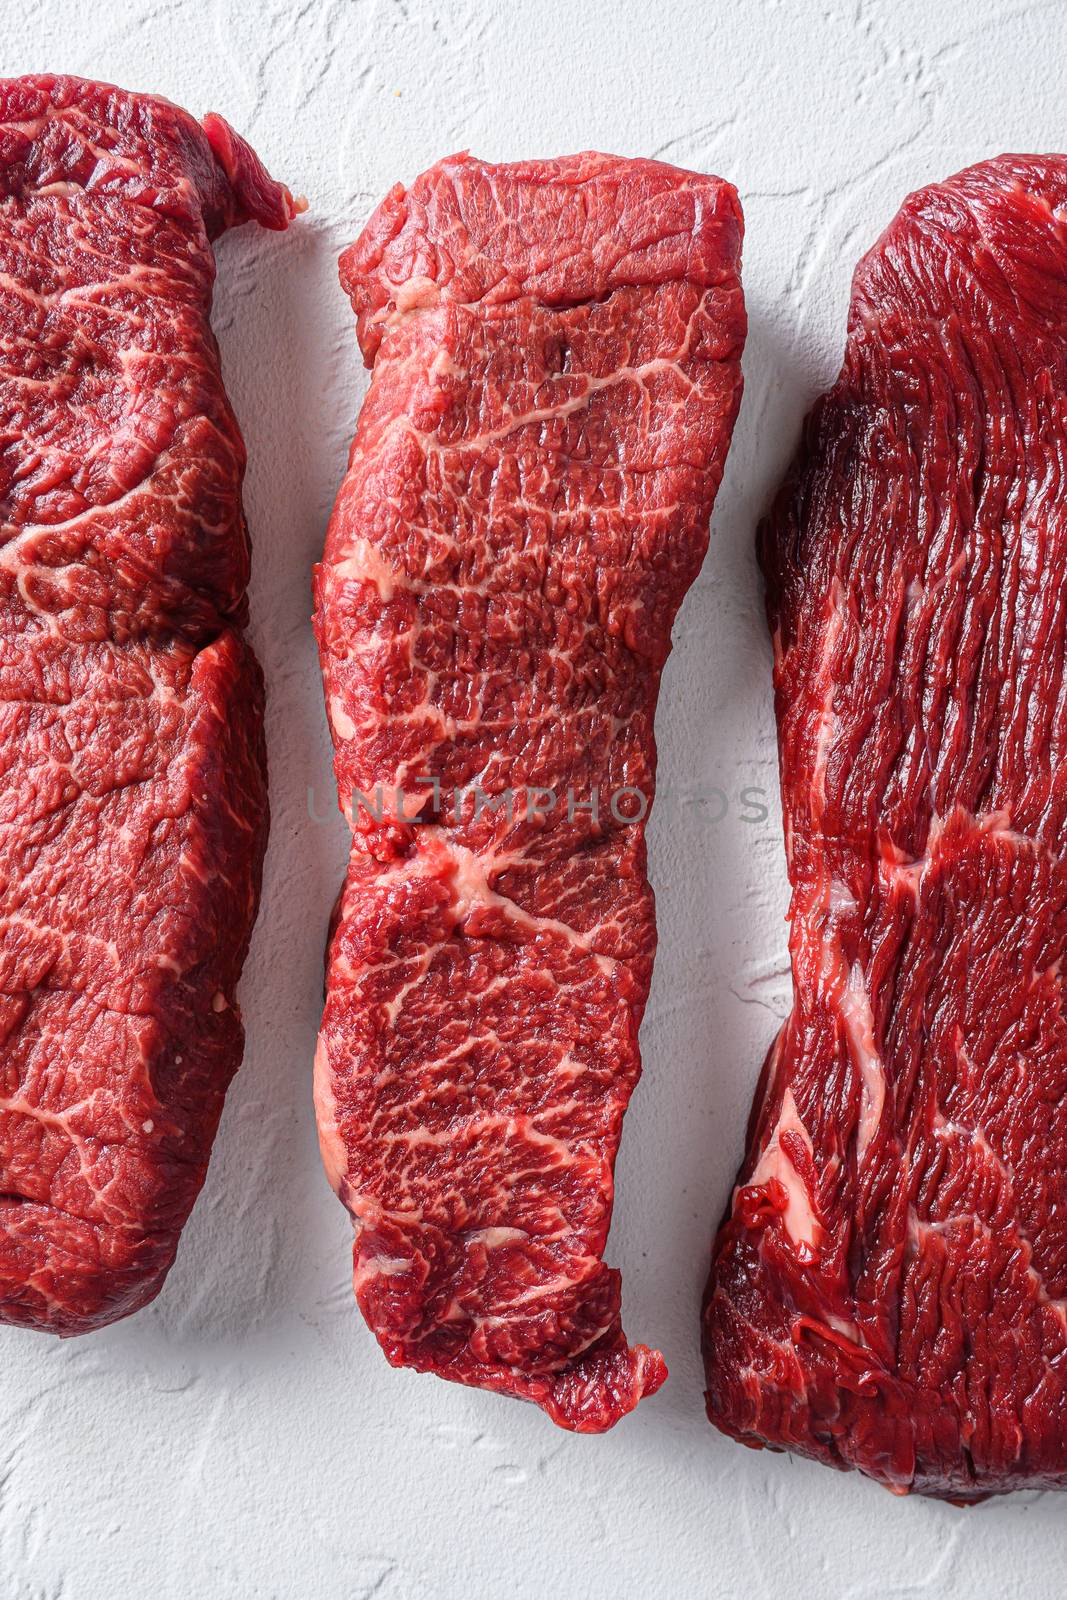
[889, 1288]
[556, 350]
[133, 811]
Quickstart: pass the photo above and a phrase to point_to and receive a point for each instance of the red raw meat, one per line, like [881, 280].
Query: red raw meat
[133, 805]
[889, 1288]
[556, 353]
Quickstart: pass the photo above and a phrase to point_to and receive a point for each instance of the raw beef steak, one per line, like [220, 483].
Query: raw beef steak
[132, 781]
[556, 352]
[889, 1289]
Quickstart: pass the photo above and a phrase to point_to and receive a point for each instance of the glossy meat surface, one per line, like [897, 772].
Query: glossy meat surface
[556, 352]
[133, 809]
[889, 1287]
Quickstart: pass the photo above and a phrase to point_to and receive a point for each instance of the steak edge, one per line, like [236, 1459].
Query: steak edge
[556, 370]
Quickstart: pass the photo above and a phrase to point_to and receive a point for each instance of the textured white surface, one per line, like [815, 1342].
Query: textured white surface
[243, 1436]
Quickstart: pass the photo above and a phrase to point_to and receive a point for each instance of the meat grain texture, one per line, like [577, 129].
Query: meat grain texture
[555, 348]
[133, 805]
[889, 1287]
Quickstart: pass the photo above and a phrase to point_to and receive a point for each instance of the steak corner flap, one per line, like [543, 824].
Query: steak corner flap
[556, 371]
[132, 769]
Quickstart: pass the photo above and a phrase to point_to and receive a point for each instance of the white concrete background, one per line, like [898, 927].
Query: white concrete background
[243, 1436]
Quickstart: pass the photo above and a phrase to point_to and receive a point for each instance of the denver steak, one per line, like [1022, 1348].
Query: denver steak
[555, 348]
[889, 1289]
[132, 778]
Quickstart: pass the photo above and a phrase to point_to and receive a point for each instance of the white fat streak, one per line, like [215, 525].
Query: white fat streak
[443, 366]
[858, 1019]
[394, 1006]
[414, 294]
[997, 825]
[841, 899]
[341, 723]
[799, 1219]
[380, 1267]
[472, 890]
[495, 1238]
[363, 562]
[513, 1129]
[560, 410]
